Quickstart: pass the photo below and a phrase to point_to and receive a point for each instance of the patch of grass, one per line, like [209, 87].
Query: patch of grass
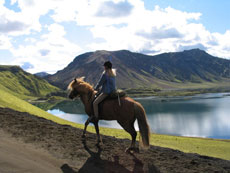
[44, 105]
[142, 91]
[203, 146]
[13, 102]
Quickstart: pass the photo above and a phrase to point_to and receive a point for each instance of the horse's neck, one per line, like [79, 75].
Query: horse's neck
[87, 101]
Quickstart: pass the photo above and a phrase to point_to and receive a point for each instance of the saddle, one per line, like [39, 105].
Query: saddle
[116, 93]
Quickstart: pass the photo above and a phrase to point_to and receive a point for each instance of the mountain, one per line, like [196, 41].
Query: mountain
[16, 81]
[41, 74]
[138, 70]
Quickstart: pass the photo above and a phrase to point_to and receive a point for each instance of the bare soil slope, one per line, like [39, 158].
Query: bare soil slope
[65, 144]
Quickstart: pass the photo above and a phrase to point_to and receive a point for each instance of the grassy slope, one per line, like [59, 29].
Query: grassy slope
[21, 84]
[202, 146]
[209, 147]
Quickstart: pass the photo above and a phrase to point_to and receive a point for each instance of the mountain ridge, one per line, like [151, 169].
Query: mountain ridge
[135, 70]
[41, 74]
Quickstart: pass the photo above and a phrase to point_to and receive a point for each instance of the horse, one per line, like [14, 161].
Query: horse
[125, 112]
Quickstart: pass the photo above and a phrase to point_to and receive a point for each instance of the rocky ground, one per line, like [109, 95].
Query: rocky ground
[74, 154]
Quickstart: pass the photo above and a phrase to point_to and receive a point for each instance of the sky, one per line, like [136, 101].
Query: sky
[46, 35]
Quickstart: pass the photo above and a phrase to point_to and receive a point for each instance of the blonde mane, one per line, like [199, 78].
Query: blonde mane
[80, 82]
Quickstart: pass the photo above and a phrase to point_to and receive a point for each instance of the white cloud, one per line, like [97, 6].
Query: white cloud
[113, 10]
[53, 52]
[5, 42]
[161, 33]
[219, 44]
[157, 31]
[11, 26]
[114, 24]
[17, 23]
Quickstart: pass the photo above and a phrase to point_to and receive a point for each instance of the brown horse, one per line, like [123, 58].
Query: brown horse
[125, 113]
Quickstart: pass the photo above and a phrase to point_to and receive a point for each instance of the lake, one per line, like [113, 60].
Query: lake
[203, 115]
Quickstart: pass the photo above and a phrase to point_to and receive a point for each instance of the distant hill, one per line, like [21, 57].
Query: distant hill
[16, 81]
[41, 74]
[135, 70]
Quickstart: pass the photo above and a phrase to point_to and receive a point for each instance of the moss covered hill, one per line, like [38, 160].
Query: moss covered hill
[134, 70]
[24, 85]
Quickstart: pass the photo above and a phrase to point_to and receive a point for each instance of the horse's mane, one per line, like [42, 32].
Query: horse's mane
[80, 81]
[70, 86]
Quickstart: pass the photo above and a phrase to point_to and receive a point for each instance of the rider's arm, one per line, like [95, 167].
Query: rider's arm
[101, 81]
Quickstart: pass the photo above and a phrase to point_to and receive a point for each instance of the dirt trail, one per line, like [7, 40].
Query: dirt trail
[72, 154]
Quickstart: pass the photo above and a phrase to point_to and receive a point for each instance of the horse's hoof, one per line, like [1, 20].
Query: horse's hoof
[136, 150]
[132, 150]
[83, 136]
[99, 142]
[98, 145]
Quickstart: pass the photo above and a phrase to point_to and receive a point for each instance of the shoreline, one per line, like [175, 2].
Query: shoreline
[72, 116]
[120, 128]
[178, 92]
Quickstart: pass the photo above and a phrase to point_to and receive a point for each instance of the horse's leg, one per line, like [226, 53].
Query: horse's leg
[131, 130]
[97, 131]
[133, 134]
[86, 124]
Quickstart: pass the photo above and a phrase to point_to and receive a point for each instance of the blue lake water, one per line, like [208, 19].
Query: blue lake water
[204, 115]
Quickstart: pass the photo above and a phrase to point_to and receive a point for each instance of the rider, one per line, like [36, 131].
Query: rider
[107, 83]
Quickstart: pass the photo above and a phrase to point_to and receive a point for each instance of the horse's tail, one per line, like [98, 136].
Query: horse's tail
[143, 125]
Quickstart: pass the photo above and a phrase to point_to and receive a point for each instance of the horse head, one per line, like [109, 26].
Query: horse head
[72, 91]
[78, 87]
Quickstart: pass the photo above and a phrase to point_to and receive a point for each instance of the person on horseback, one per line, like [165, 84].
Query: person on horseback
[107, 83]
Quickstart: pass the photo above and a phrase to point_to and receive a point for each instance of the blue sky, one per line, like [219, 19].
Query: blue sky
[46, 35]
[215, 14]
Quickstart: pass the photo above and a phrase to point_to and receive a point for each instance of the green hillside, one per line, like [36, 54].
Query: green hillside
[10, 101]
[22, 84]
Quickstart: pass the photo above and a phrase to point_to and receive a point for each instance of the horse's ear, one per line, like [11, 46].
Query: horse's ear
[82, 78]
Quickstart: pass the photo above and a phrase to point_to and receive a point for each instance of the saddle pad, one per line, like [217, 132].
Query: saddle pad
[115, 94]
